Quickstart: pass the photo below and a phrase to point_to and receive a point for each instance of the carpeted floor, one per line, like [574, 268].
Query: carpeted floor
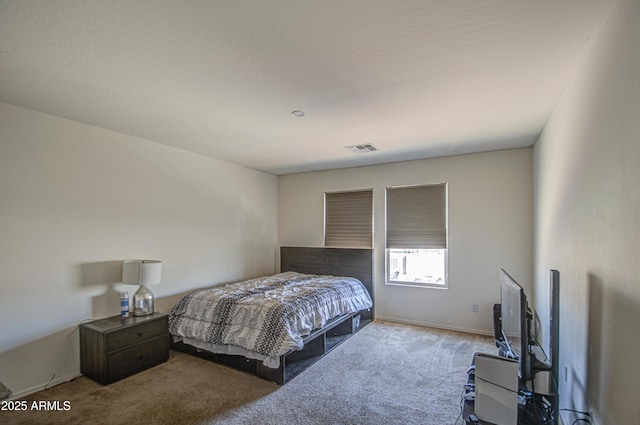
[387, 373]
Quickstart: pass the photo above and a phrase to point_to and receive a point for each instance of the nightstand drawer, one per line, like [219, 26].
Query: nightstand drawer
[127, 337]
[135, 359]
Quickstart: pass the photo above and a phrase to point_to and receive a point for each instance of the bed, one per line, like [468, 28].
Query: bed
[276, 326]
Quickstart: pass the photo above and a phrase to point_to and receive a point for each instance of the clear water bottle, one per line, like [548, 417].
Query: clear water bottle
[124, 305]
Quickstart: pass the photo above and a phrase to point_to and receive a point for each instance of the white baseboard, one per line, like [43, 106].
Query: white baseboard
[434, 325]
[44, 386]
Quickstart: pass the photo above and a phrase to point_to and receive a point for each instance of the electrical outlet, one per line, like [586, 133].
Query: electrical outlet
[474, 308]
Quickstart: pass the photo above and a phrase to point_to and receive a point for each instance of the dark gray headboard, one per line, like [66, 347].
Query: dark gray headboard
[353, 262]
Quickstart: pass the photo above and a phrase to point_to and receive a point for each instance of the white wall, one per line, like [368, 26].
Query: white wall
[587, 219]
[76, 200]
[490, 226]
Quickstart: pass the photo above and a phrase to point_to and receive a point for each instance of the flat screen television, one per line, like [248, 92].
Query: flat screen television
[514, 323]
[518, 342]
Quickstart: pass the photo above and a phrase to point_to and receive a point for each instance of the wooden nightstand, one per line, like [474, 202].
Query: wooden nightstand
[114, 348]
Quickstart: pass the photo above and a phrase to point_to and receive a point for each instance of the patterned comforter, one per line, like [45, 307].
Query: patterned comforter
[268, 315]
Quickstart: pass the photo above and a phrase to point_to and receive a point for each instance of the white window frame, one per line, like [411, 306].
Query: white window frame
[388, 280]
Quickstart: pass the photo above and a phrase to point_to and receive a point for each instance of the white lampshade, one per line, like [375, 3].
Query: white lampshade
[141, 272]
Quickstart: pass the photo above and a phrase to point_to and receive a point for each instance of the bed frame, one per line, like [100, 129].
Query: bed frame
[353, 262]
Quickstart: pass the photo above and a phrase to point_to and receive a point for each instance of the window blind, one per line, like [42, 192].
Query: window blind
[349, 219]
[417, 217]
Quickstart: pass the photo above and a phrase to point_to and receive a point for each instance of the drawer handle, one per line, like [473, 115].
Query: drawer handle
[140, 333]
[140, 357]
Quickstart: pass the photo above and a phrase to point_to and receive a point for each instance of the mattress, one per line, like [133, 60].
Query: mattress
[266, 317]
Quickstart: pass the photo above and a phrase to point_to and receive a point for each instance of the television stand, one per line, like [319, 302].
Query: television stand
[524, 418]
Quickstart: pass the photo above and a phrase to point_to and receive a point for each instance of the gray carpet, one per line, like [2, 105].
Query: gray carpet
[386, 374]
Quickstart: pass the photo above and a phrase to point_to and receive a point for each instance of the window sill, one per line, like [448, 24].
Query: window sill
[417, 285]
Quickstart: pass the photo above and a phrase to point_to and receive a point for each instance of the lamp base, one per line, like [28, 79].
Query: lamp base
[143, 302]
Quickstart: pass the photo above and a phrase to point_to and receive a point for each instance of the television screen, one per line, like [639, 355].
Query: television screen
[514, 321]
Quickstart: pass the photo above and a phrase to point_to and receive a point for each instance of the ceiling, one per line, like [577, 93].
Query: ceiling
[415, 78]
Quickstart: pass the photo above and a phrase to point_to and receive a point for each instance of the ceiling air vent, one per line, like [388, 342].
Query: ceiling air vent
[362, 148]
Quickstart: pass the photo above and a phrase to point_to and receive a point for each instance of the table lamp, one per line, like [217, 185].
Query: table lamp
[143, 273]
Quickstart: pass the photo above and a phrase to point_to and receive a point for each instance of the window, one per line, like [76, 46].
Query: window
[348, 219]
[417, 235]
